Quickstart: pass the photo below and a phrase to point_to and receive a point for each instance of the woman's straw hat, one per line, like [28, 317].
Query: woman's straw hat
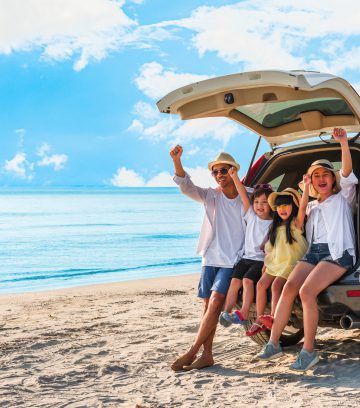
[223, 158]
[326, 164]
[289, 192]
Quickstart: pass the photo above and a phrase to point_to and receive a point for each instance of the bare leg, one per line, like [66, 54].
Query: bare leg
[287, 297]
[248, 297]
[276, 289]
[205, 336]
[186, 358]
[323, 275]
[261, 292]
[232, 294]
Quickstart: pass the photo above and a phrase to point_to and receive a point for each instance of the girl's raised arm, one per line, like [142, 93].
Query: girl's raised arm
[340, 136]
[240, 188]
[300, 218]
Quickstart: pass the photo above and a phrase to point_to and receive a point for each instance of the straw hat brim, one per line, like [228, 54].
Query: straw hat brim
[288, 191]
[312, 192]
[229, 162]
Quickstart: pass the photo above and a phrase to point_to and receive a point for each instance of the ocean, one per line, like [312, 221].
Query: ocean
[54, 238]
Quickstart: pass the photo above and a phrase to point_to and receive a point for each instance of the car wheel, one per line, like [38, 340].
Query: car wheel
[289, 337]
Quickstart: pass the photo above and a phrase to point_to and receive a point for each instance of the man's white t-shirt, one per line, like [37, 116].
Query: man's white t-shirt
[229, 233]
[257, 231]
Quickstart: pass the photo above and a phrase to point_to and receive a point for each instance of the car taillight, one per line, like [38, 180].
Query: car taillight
[353, 293]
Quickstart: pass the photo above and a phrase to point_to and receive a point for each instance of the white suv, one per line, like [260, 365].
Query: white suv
[283, 107]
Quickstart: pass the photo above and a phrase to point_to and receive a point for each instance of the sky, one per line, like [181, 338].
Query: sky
[79, 81]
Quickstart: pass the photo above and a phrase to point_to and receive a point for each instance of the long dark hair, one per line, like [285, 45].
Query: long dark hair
[284, 199]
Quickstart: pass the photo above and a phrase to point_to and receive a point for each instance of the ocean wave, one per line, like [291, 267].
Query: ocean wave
[83, 272]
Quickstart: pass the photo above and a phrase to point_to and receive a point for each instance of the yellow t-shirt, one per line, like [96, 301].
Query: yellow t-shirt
[281, 258]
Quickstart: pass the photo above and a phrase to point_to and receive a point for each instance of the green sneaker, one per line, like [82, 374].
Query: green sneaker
[305, 360]
[270, 352]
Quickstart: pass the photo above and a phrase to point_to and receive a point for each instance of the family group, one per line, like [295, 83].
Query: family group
[261, 239]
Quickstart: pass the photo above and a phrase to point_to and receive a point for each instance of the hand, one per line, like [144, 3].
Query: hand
[233, 172]
[339, 134]
[176, 152]
[306, 179]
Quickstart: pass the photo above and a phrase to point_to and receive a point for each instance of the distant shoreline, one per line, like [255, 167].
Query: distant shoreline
[128, 286]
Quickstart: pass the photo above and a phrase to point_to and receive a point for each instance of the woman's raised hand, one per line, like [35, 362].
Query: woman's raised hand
[339, 134]
[306, 179]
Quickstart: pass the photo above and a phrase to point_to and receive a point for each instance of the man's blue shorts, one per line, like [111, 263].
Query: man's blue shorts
[214, 278]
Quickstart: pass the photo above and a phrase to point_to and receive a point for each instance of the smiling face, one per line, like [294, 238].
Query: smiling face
[284, 211]
[261, 207]
[224, 180]
[322, 180]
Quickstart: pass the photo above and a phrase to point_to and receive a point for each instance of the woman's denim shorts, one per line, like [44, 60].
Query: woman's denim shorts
[320, 252]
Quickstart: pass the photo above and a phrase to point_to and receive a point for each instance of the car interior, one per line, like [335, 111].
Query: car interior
[285, 169]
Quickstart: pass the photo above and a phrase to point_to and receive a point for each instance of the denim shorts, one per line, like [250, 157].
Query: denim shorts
[320, 252]
[214, 278]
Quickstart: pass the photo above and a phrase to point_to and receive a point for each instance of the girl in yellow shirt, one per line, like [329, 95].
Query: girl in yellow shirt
[286, 245]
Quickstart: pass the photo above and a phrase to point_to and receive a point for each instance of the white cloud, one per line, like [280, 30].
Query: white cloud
[274, 34]
[18, 166]
[157, 127]
[89, 29]
[357, 87]
[56, 160]
[201, 177]
[43, 149]
[154, 81]
[21, 134]
[127, 178]
[217, 129]
[163, 179]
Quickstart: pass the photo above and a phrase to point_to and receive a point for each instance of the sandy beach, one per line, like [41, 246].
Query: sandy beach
[111, 345]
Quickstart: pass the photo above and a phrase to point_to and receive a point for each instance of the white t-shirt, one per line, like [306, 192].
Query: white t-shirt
[320, 235]
[229, 233]
[257, 230]
[336, 212]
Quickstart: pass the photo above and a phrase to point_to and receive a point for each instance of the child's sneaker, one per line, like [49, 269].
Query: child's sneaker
[225, 319]
[305, 360]
[270, 352]
[238, 318]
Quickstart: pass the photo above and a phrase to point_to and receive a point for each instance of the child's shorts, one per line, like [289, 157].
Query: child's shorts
[320, 252]
[248, 268]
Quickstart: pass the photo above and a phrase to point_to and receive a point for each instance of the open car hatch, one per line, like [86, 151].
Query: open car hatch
[280, 106]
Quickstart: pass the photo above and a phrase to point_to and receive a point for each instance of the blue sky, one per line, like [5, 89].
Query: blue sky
[79, 80]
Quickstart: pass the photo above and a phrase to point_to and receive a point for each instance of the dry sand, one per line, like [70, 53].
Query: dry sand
[111, 346]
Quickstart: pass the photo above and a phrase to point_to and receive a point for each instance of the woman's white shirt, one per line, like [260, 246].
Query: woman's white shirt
[336, 212]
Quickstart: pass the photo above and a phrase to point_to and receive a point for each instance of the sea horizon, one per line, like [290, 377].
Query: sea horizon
[57, 237]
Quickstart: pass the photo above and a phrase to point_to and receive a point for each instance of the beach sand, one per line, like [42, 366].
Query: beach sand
[111, 346]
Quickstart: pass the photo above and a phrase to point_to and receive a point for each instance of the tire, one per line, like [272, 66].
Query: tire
[289, 337]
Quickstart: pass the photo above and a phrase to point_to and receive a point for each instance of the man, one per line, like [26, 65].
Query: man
[221, 242]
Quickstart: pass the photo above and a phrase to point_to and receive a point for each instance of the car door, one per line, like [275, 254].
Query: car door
[280, 106]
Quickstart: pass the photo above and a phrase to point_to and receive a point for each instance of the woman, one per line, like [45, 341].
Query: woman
[331, 236]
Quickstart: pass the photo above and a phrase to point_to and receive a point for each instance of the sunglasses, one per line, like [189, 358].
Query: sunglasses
[263, 187]
[281, 206]
[223, 171]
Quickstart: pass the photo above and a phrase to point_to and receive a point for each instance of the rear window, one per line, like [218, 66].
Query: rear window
[273, 114]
